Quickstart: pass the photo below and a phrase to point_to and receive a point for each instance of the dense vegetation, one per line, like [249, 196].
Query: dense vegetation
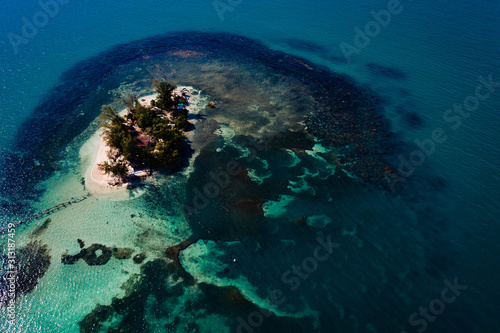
[145, 136]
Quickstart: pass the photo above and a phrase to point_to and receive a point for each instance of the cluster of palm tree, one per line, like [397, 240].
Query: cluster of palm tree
[121, 133]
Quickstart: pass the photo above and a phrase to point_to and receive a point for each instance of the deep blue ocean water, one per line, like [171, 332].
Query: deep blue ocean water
[427, 59]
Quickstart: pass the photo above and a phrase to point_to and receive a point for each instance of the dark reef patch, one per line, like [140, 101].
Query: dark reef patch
[96, 254]
[31, 263]
[14, 208]
[236, 210]
[81, 243]
[412, 119]
[41, 228]
[350, 122]
[139, 257]
[292, 140]
[122, 253]
[150, 303]
[307, 46]
[252, 206]
[173, 251]
[388, 72]
[313, 48]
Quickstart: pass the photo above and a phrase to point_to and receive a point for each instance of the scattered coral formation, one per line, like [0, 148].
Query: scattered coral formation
[30, 264]
[96, 254]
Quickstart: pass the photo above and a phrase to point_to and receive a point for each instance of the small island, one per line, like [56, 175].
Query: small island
[145, 136]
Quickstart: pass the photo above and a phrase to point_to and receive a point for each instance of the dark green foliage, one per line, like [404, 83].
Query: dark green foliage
[179, 100]
[113, 136]
[165, 155]
[170, 144]
[131, 102]
[109, 115]
[182, 122]
[114, 130]
[164, 90]
[146, 118]
[117, 168]
[181, 112]
[167, 142]
[162, 131]
[129, 147]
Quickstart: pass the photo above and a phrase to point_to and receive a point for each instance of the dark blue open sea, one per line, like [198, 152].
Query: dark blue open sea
[347, 180]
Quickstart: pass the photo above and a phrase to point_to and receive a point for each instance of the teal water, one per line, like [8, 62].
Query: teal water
[395, 249]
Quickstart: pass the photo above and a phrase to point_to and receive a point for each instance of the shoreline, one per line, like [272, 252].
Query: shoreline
[96, 181]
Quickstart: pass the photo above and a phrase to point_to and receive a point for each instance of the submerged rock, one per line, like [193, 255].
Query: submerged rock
[96, 254]
[40, 229]
[81, 243]
[139, 258]
[122, 253]
[91, 256]
[173, 251]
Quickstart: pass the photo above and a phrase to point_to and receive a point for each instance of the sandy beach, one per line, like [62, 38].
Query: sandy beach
[97, 177]
[96, 181]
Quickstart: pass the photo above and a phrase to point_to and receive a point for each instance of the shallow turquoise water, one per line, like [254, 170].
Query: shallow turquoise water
[395, 252]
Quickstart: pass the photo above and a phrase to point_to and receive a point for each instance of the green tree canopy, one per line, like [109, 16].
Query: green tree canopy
[171, 136]
[118, 168]
[146, 119]
[114, 130]
[169, 142]
[131, 102]
[114, 166]
[165, 155]
[109, 114]
[182, 122]
[164, 90]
